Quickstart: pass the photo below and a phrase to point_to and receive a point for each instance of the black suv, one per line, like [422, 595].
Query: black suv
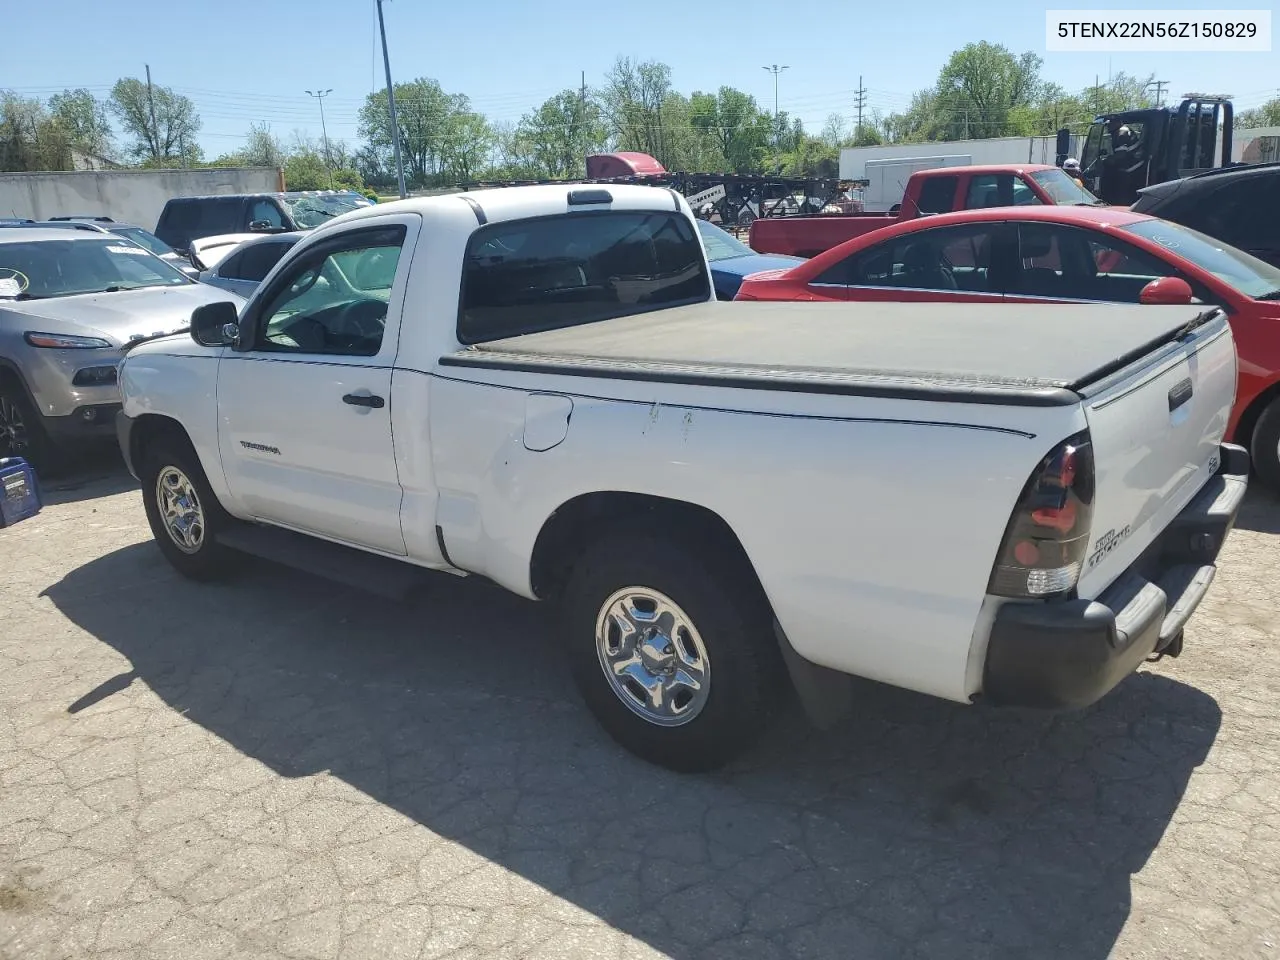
[184, 219]
[1237, 205]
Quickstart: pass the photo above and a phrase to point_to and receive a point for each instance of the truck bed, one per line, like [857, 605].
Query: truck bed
[1038, 355]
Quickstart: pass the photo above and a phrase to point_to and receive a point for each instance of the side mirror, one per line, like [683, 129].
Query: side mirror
[215, 324]
[1166, 291]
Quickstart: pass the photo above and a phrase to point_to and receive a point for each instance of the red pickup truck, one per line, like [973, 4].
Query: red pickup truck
[943, 190]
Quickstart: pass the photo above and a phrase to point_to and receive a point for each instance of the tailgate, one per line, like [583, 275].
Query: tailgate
[1156, 426]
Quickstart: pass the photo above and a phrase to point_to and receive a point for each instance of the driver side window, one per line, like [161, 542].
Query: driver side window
[334, 303]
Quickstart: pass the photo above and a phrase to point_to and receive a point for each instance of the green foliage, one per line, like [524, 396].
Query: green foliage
[1267, 115]
[30, 138]
[162, 124]
[83, 119]
[441, 138]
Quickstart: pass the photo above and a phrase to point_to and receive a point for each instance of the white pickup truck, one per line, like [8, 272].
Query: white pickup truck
[536, 385]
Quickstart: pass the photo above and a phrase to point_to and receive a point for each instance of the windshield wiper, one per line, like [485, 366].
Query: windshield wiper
[1270, 295]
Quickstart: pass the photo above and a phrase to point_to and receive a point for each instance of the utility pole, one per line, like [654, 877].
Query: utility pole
[328, 163]
[860, 102]
[777, 134]
[151, 106]
[1159, 85]
[391, 104]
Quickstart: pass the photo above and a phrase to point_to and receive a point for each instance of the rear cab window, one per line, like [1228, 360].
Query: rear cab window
[937, 194]
[526, 276]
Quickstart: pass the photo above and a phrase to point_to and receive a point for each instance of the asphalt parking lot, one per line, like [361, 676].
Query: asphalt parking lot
[279, 767]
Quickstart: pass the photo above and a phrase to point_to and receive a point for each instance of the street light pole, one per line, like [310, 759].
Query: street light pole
[328, 162]
[391, 104]
[775, 70]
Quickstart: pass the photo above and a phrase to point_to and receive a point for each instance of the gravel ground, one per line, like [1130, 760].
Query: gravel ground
[278, 767]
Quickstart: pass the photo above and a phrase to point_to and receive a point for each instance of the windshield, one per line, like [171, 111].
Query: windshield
[39, 269]
[720, 244]
[144, 239]
[1243, 273]
[1063, 190]
[310, 212]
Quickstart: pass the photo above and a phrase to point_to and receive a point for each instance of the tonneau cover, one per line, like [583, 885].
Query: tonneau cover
[1014, 353]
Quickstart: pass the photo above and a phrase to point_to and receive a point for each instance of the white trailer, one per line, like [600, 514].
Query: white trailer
[887, 178]
[996, 150]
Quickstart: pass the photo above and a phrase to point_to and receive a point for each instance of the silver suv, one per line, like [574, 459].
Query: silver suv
[70, 301]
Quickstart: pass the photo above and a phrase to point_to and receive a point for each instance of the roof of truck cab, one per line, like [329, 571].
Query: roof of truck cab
[978, 169]
[957, 352]
[510, 203]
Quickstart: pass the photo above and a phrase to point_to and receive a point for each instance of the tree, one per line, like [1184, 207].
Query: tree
[1121, 92]
[979, 86]
[468, 139]
[30, 139]
[1267, 115]
[835, 132]
[83, 119]
[812, 157]
[430, 121]
[554, 140]
[262, 148]
[163, 124]
[925, 119]
[633, 98]
[735, 124]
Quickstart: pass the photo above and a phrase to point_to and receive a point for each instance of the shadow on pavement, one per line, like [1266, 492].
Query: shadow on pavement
[1260, 511]
[91, 474]
[917, 829]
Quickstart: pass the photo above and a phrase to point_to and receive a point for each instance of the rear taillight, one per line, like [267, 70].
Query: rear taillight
[1045, 543]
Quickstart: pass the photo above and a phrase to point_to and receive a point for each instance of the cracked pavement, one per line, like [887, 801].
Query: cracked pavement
[278, 767]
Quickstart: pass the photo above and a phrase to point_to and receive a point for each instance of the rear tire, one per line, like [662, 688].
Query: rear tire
[696, 613]
[183, 512]
[1264, 448]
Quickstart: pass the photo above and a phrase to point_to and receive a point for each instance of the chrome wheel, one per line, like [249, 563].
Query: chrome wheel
[180, 509]
[14, 436]
[653, 657]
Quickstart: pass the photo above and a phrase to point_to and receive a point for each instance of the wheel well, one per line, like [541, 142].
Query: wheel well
[9, 374]
[151, 427]
[1249, 419]
[573, 523]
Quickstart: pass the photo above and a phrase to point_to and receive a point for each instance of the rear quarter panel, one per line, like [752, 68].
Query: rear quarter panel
[873, 524]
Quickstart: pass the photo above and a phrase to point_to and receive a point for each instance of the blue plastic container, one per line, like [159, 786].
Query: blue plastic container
[19, 491]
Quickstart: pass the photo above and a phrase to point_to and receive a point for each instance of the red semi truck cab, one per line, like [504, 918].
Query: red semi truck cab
[942, 190]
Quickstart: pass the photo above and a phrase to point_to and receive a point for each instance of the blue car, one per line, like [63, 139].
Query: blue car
[731, 260]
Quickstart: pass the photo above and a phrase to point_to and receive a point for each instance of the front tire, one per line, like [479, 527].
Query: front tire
[1264, 447]
[183, 512]
[671, 645]
[21, 432]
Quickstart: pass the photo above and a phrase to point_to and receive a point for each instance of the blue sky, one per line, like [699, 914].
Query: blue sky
[250, 60]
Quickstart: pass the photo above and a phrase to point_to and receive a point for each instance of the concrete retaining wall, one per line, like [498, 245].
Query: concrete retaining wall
[131, 196]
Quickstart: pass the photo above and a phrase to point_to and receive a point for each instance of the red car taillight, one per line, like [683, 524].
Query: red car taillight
[1044, 545]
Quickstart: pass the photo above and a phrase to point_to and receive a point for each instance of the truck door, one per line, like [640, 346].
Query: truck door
[304, 399]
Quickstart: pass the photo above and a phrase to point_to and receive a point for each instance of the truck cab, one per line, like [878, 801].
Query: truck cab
[1124, 152]
[944, 189]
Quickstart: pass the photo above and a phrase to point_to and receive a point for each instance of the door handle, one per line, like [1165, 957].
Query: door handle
[358, 400]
